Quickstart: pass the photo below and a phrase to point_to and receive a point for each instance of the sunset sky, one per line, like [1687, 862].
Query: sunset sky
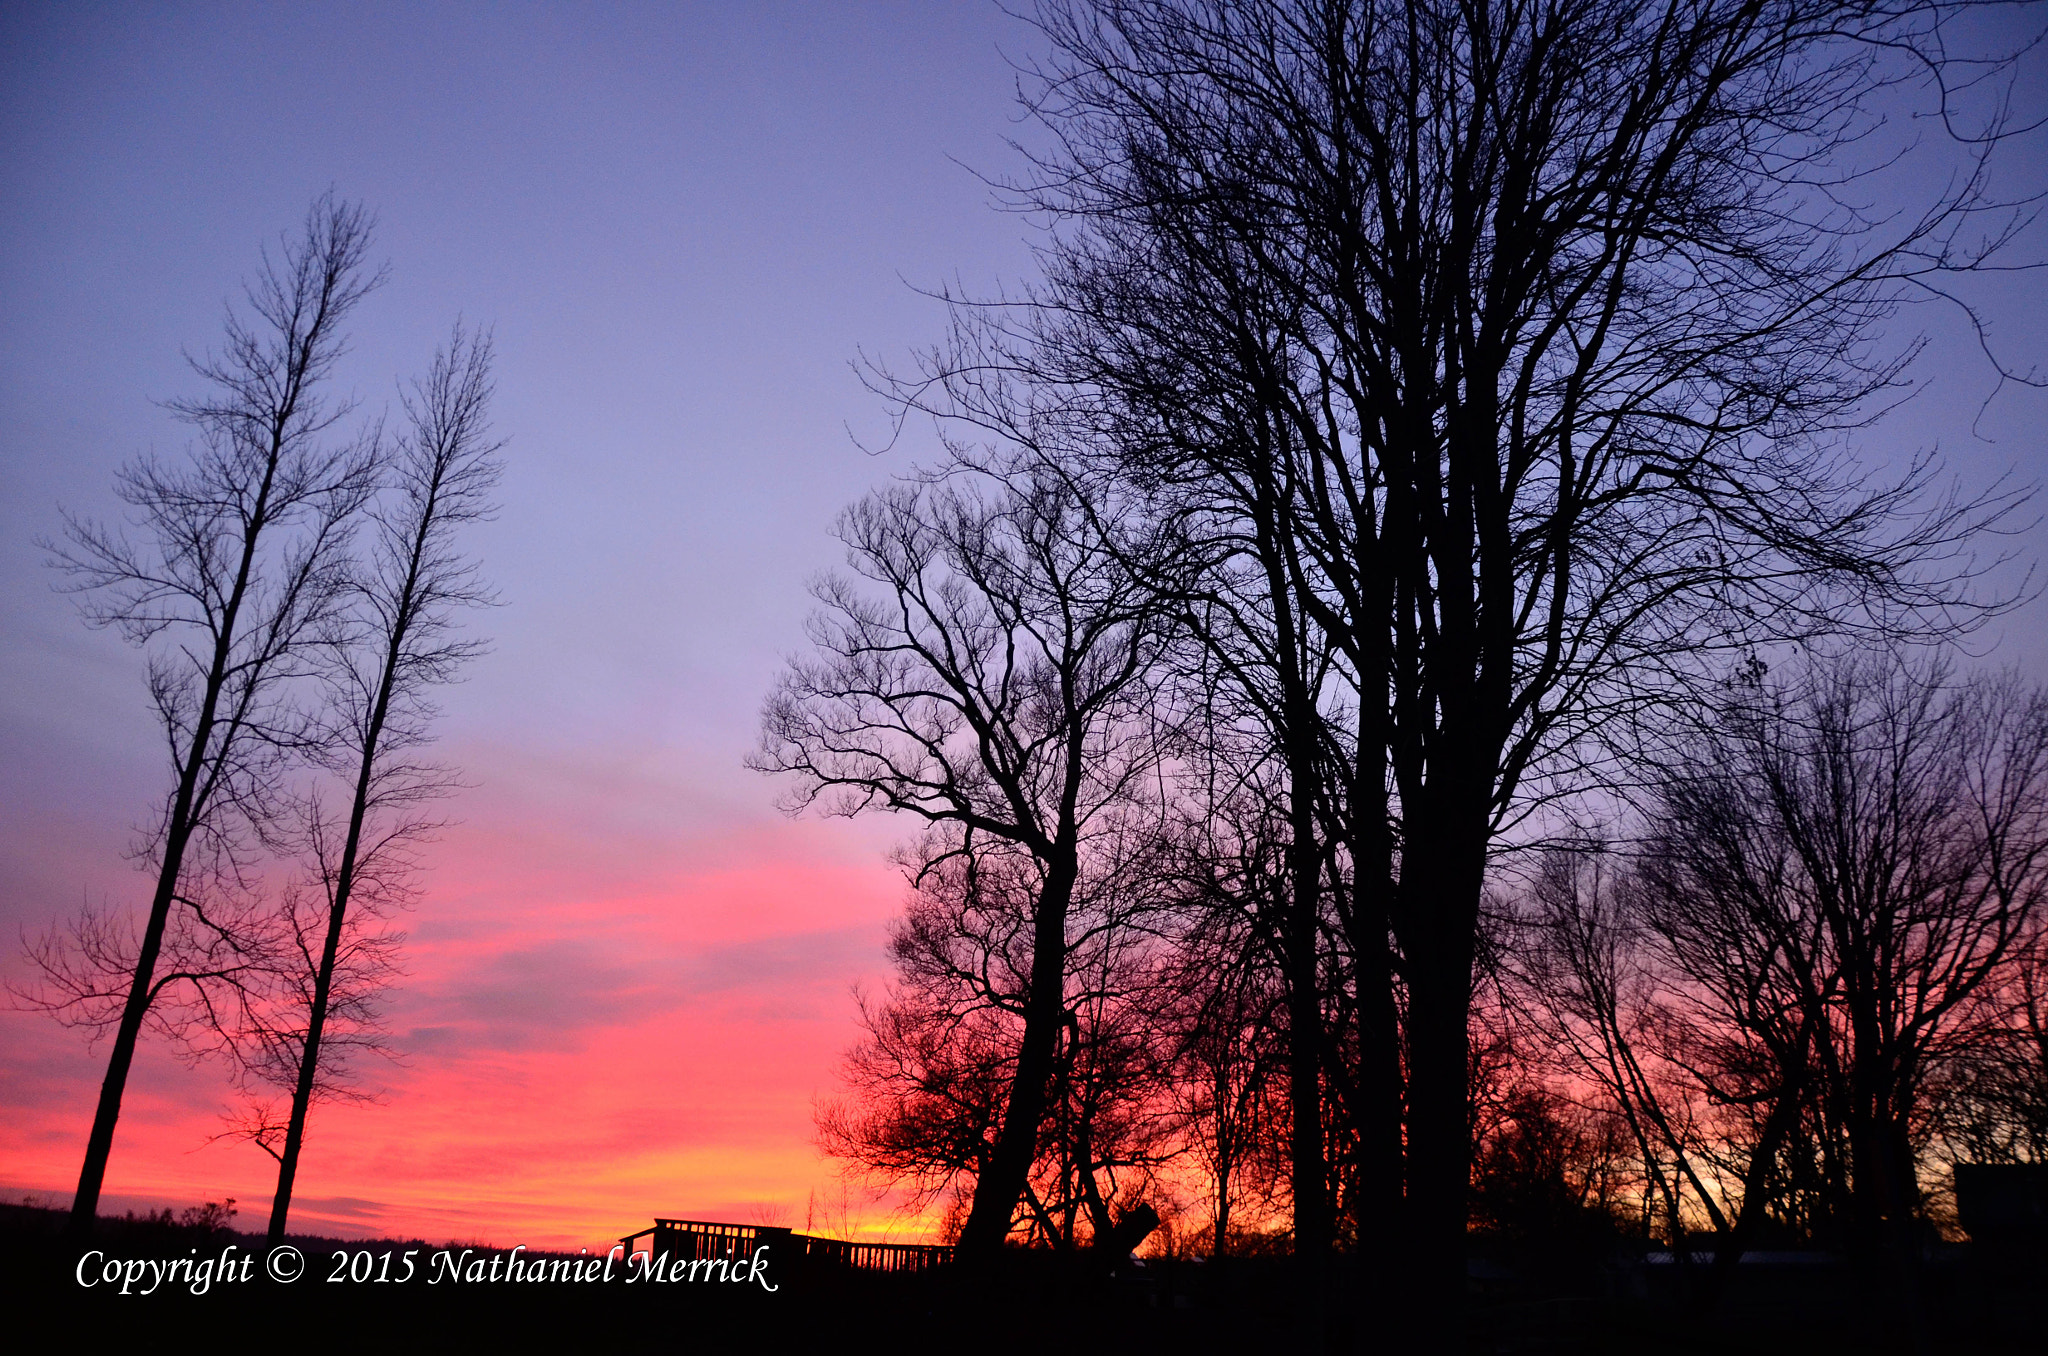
[630, 975]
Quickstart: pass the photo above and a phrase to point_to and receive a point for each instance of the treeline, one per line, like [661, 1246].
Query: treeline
[1416, 713]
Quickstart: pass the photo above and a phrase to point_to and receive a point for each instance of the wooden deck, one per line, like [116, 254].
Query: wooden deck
[690, 1239]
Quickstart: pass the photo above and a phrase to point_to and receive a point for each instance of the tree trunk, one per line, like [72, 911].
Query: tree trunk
[1441, 879]
[1379, 1078]
[99, 1147]
[997, 1192]
[309, 1057]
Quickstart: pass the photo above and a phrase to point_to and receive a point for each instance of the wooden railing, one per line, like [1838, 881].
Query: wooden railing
[874, 1256]
[689, 1239]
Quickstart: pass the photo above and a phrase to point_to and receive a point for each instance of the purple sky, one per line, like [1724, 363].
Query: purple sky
[684, 222]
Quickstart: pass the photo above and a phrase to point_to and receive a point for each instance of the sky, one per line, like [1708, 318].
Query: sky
[631, 976]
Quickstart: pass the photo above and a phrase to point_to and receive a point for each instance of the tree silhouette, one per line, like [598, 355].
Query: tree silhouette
[396, 644]
[928, 1089]
[992, 685]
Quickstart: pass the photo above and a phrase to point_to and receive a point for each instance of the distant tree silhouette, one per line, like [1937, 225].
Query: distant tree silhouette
[1548, 1175]
[1228, 871]
[924, 1096]
[1877, 840]
[1788, 990]
[1601, 999]
[1992, 1090]
[1230, 1064]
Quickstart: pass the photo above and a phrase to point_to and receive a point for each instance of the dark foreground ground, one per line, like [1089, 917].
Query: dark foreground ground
[1039, 1304]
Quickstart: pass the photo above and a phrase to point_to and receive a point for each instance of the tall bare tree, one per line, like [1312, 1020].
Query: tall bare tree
[397, 643]
[238, 574]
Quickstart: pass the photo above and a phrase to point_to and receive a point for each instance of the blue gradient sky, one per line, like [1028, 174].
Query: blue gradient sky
[684, 222]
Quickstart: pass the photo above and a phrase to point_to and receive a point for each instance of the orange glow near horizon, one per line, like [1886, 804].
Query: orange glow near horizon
[573, 1065]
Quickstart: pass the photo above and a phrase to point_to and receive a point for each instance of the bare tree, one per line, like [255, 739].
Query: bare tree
[238, 575]
[398, 642]
[1551, 1176]
[1251, 668]
[1682, 1011]
[1990, 1093]
[995, 687]
[1875, 844]
[924, 1097]
[270, 1039]
[1113, 1125]
[1231, 1062]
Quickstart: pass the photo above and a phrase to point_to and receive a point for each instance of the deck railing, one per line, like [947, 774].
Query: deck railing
[689, 1239]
